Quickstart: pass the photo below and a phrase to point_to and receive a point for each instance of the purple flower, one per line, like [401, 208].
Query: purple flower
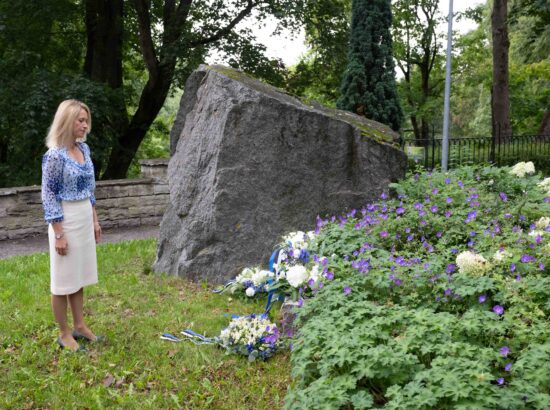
[329, 276]
[435, 191]
[503, 196]
[400, 211]
[471, 216]
[449, 200]
[547, 199]
[473, 233]
[518, 277]
[460, 184]
[384, 234]
[499, 310]
[482, 298]
[434, 208]
[448, 214]
[410, 238]
[504, 351]
[508, 367]
[417, 205]
[347, 290]
[541, 266]
[507, 216]
[447, 181]
[500, 381]
[421, 212]
[300, 302]
[448, 292]
[525, 258]
[512, 267]
[451, 268]
[384, 196]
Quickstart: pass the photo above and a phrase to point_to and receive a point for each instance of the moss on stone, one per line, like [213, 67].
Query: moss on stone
[368, 128]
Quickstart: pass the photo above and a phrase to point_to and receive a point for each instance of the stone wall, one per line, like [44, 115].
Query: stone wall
[120, 203]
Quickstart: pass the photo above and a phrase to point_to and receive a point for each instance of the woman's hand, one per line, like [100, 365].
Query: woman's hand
[97, 232]
[61, 246]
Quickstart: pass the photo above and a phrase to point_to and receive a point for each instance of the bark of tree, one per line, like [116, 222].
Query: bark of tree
[500, 97]
[103, 61]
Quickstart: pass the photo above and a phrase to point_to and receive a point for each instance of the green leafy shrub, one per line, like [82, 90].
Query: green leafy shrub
[439, 298]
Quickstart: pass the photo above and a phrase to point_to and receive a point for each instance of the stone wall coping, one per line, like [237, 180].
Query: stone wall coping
[124, 182]
[154, 162]
[19, 189]
[111, 182]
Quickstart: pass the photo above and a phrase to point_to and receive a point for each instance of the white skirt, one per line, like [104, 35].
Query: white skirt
[78, 268]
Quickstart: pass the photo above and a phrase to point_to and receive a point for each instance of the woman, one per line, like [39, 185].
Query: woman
[69, 205]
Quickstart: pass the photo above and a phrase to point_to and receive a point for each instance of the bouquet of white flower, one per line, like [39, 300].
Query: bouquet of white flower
[250, 282]
[253, 336]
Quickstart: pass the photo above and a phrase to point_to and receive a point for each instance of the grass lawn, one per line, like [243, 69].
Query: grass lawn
[134, 368]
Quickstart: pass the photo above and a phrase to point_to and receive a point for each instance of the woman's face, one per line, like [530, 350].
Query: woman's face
[80, 127]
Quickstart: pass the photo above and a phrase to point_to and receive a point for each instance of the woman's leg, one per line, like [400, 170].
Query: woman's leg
[59, 307]
[77, 307]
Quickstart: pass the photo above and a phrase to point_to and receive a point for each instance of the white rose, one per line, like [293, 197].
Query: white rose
[297, 275]
[250, 292]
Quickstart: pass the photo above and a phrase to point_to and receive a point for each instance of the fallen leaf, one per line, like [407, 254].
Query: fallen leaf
[120, 382]
[10, 349]
[108, 380]
[172, 353]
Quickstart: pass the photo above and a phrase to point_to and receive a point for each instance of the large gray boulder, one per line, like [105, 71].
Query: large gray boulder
[251, 163]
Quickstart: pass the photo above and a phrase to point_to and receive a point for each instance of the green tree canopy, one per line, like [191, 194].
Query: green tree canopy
[368, 86]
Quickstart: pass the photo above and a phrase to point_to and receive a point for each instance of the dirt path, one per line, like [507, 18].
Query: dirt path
[34, 244]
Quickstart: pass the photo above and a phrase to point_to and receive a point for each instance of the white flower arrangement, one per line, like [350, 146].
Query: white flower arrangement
[253, 336]
[251, 281]
[472, 263]
[523, 168]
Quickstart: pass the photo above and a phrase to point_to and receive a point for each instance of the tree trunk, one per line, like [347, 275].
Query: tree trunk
[545, 124]
[151, 101]
[500, 97]
[103, 61]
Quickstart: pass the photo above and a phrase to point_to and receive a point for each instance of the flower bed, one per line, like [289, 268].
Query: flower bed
[439, 298]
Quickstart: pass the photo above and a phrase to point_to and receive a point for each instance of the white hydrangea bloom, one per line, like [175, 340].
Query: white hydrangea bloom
[545, 185]
[297, 275]
[472, 263]
[523, 168]
[543, 222]
[250, 292]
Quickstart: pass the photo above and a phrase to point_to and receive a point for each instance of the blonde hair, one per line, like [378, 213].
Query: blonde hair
[60, 133]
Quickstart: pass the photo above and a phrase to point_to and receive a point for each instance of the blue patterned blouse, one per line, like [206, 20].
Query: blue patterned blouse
[64, 179]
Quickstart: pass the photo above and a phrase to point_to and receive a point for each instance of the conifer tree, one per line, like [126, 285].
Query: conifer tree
[368, 85]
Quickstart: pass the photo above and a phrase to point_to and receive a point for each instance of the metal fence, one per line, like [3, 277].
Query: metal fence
[479, 150]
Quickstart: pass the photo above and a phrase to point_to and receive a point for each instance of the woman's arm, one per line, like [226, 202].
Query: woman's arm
[97, 227]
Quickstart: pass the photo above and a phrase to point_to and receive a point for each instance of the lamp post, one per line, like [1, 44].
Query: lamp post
[445, 145]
